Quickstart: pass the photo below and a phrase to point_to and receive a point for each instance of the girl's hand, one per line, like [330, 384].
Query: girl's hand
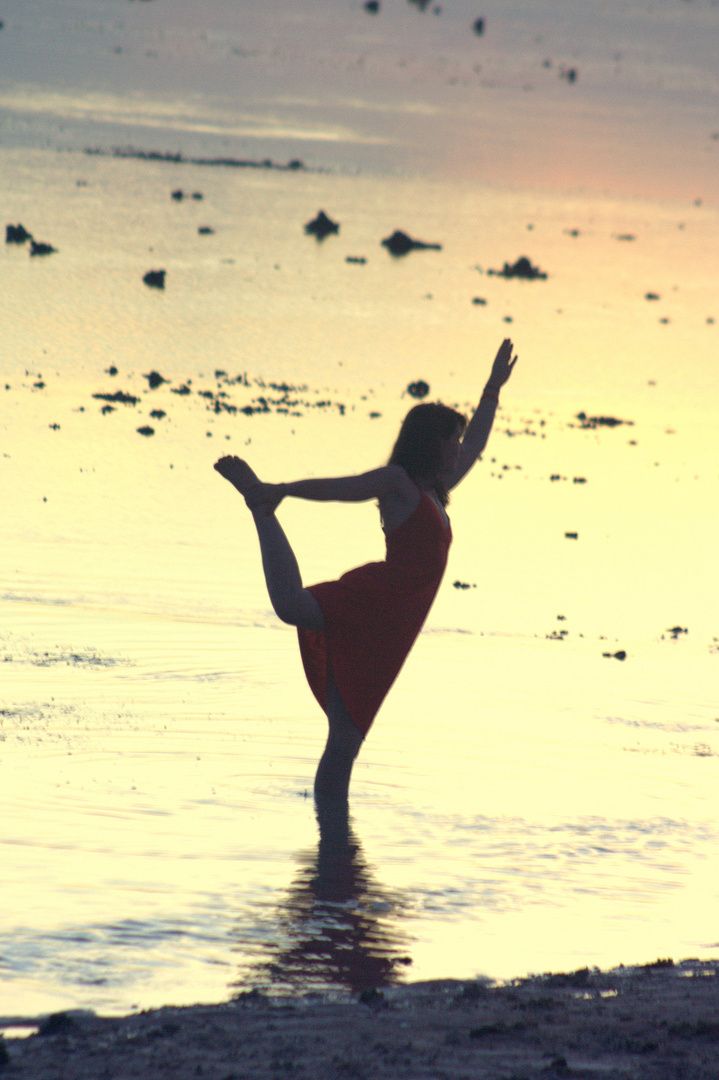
[265, 498]
[503, 365]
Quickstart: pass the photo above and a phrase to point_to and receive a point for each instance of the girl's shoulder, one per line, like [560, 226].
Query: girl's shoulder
[401, 482]
[400, 501]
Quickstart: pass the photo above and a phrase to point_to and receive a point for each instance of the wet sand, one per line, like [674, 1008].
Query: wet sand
[655, 1022]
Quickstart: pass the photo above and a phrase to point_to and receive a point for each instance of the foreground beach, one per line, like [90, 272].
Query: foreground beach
[657, 1021]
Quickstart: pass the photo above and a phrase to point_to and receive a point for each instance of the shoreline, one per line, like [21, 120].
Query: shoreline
[652, 1022]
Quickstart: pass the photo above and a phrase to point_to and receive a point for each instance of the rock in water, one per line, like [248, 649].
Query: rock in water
[321, 226]
[16, 234]
[155, 279]
[155, 379]
[41, 249]
[399, 244]
[521, 269]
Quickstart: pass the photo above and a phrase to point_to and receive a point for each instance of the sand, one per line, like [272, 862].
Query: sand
[656, 1022]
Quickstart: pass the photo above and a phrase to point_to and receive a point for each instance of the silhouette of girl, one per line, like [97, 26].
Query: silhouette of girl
[355, 633]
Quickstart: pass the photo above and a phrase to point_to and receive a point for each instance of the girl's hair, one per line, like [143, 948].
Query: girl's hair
[419, 444]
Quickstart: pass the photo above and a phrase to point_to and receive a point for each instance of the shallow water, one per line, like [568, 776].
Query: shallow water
[524, 801]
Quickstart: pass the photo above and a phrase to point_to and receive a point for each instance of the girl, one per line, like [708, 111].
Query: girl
[355, 633]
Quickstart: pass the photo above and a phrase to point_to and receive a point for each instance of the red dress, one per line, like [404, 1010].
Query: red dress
[374, 613]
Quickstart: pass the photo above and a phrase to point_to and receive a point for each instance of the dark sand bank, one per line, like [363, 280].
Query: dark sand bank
[652, 1023]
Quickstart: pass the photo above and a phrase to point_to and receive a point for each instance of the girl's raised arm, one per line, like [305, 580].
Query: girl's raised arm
[479, 427]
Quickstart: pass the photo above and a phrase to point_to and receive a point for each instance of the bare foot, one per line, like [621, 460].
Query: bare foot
[238, 472]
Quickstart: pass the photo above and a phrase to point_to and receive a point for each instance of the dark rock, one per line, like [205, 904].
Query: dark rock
[652, 296]
[145, 431]
[155, 279]
[559, 1067]
[478, 27]
[372, 997]
[41, 249]
[580, 480]
[571, 536]
[372, 6]
[576, 980]
[155, 379]
[625, 236]
[183, 390]
[197, 196]
[418, 389]
[472, 991]
[250, 997]
[399, 244]
[16, 234]
[321, 226]
[359, 260]
[119, 396]
[481, 1032]
[601, 421]
[112, 370]
[463, 585]
[177, 195]
[107, 409]
[620, 655]
[479, 301]
[675, 631]
[177, 159]
[59, 1024]
[205, 230]
[570, 74]
[522, 268]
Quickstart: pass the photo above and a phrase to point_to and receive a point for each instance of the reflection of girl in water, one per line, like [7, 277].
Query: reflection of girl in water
[337, 927]
[355, 633]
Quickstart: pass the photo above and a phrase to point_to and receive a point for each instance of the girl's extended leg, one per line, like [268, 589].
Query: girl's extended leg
[296, 605]
[344, 740]
[291, 601]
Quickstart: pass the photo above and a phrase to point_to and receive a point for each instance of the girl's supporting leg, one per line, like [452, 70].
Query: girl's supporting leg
[291, 601]
[344, 740]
